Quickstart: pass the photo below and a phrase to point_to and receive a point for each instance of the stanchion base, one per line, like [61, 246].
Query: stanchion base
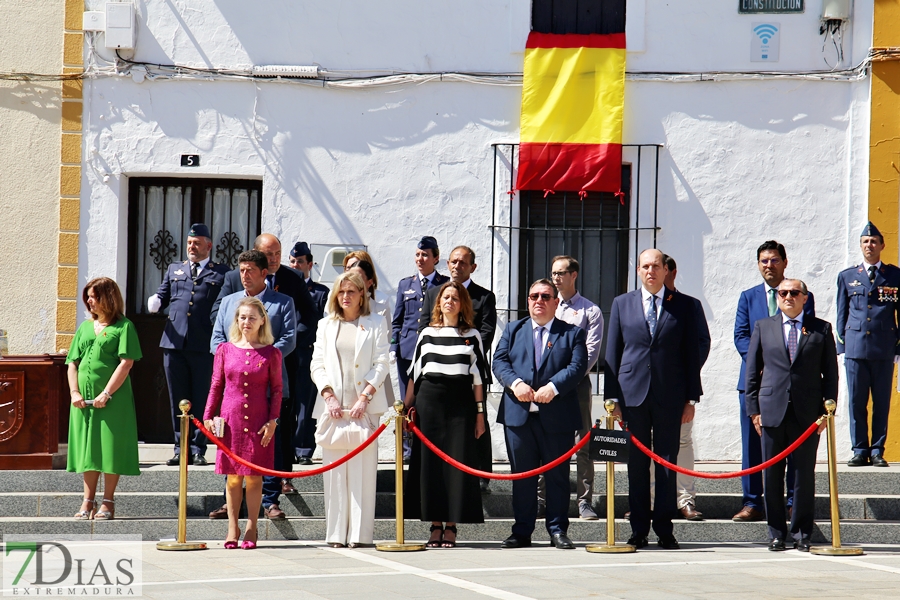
[832, 551]
[607, 549]
[181, 546]
[397, 547]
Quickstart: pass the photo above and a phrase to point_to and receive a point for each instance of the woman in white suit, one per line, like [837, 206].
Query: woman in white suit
[349, 366]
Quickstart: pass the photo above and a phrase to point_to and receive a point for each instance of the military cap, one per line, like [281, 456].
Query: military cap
[300, 249]
[871, 230]
[199, 230]
[427, 243]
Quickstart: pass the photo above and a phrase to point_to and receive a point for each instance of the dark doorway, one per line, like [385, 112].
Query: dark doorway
[160, 214]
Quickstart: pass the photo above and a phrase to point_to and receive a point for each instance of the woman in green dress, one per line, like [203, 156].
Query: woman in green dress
[102, 422]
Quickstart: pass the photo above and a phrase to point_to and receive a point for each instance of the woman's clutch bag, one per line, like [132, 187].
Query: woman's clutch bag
[218, 426]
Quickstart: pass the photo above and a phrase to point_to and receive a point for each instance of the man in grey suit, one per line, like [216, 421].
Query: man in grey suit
[791, 371]
[253, 266]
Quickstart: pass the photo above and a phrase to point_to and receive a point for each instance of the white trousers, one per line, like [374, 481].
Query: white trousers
[685, 483]
[350, 496]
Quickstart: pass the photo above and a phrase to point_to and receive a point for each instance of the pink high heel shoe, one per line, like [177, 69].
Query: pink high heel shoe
[231, 544]
[248, 545]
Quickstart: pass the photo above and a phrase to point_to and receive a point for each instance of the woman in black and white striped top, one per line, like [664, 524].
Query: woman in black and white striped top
[446, 387]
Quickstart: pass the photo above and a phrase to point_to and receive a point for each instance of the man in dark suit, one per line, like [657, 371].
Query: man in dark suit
[791, 371]
[189, 289]
[868, 335]
[462, 264]
[288, 282]
[301, 260]
[540, 361]
[653, 369]
[759, 302]
[407, 310]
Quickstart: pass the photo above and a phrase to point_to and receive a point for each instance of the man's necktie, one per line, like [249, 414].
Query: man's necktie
[773, 304]
[872, 271]
[792, 339]
[271, 281]
[651, 316]
[538, 346]
[424, 286]
[194, 268]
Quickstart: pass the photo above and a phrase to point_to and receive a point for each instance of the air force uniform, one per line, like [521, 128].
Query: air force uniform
[185, 341]
[867, 335]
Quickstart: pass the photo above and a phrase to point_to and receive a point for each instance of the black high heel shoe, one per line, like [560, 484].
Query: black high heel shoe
[436, 543]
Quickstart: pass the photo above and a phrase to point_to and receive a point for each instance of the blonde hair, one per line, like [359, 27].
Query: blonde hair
[335, 311]
[363, 255]
[265, 331]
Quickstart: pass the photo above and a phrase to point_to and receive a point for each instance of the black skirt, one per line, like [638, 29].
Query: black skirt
[436, 490]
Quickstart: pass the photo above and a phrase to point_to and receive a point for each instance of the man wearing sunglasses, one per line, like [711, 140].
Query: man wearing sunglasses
[791, 371]
[653, 374]
[759, 302]
[867, 336]
[540, 360]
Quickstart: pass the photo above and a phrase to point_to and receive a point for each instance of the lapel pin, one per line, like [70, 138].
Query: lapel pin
[804, 331]
[669, 298]
[549, 345]
[259, 366]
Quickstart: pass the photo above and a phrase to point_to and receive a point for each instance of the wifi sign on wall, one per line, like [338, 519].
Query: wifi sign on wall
[765, 39]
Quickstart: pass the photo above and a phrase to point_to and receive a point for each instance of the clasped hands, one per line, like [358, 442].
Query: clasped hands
[524, 393]
[333, 406]
[99, 402]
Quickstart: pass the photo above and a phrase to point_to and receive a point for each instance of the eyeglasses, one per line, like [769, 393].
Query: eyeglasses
[792, 293]
[769, 261]
[535, 297]
[559, 273]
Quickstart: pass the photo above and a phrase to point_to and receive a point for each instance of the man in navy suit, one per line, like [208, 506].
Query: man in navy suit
[540, 361]
[653, 369]
[189, 289]
[283, 280]
[791, 371]
[759, 302]
[461, 263]
[253, 269]
[868, 304]
[301, 260]
[407, 310]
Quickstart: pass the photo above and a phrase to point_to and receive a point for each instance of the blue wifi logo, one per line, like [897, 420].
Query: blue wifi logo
[765, 32]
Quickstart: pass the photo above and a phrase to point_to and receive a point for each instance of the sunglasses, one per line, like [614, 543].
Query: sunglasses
[791, 293]
[535, 297]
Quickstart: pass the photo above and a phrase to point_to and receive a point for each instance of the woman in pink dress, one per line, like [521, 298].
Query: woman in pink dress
[246, 392]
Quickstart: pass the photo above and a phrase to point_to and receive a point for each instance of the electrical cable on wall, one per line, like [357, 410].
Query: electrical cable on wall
[833, 28]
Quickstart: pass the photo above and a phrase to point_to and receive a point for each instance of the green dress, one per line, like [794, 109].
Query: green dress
[103, 439]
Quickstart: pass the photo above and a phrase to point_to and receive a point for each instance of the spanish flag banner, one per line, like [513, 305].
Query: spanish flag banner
[573, 97]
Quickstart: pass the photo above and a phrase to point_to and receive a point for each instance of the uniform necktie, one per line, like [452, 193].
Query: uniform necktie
[194, 268]
[651, 316]
[773, 304]
[872, 271]
[792, 339]
[424, 286]
[538, 346]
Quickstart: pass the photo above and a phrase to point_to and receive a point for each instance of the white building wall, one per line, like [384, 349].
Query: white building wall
[742, 161]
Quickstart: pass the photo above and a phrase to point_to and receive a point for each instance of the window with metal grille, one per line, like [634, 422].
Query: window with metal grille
[578, 16]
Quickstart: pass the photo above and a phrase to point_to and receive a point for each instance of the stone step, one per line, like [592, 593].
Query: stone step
[160, 478]
[313, 529]
[312, 504]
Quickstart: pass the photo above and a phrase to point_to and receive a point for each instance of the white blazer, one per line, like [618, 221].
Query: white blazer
[371, 363]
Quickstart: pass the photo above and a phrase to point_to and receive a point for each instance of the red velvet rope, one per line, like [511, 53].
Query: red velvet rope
[809, 431]
[286, 474]
[484, 474]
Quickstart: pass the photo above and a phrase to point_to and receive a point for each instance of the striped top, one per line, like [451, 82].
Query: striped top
[445, 352]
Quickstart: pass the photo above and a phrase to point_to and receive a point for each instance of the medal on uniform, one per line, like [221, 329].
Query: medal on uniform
[854, 283]
[179, 272]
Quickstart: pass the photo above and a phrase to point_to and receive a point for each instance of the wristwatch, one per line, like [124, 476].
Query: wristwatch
[693, 402]
[367, 395]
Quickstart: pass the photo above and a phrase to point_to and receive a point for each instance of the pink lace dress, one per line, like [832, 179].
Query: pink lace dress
[246, 392]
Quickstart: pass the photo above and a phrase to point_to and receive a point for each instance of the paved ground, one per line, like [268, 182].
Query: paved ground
[480, 570]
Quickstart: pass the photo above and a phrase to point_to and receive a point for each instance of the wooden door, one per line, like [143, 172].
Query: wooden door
[160, 214]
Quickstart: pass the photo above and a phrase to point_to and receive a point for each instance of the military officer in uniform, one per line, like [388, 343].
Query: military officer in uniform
[867, 310]
[408, 308]
[301, 260]
[189, 289]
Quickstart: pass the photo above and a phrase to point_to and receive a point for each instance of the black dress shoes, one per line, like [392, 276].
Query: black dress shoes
[878, 461]
[668, 543]
[777, 545]
[561, 541]
[198, 460]
[802, 544]
[175, 461]
[638, 542]
[858, 460]
[515, 541]
[304, 460]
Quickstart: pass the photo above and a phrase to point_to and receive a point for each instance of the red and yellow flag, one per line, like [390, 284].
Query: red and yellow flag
[573, 97]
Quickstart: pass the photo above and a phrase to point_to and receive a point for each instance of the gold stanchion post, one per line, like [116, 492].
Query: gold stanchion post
[610, 546]
[835, 548]
[181, 542]
[399, 545]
